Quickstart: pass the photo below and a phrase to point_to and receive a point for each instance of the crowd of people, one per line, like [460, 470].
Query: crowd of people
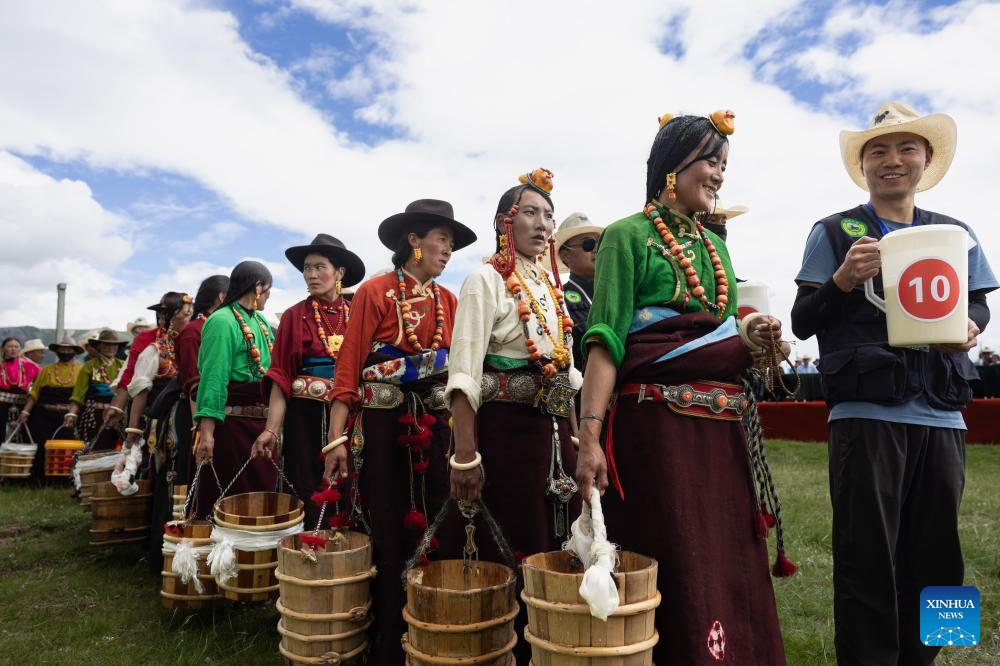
[635, 372]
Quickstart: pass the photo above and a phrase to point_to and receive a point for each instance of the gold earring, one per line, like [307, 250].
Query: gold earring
[256, 298]
[418, 256]
[338, 287]
[671, 186]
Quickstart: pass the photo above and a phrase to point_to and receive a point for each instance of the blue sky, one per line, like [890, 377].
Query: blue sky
[224, 130]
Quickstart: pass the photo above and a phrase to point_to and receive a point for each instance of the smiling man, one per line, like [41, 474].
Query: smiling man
[897, 437]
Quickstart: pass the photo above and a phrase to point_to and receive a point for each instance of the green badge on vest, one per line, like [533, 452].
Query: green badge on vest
[573, 297]
[853, 228]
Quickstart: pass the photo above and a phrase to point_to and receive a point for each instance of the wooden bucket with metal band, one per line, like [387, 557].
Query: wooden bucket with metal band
[325, 600]
[560, 628]
[259, 512]
[185, 596]
[59, 456]
[459, 614]
[105, 462]
[177, 501]
[116, 518]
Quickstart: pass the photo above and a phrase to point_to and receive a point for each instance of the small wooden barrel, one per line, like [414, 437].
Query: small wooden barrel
[59, 456]
[178, 498]
[325, 601]
[560, 628]
[120, 519]
[90, 478]
[15, 465]
[459, 616]
[256, 512]
[184, 596]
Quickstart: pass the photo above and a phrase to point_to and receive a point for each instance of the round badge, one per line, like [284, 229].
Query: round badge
[853, 228]
[573, 297]
[928, 289]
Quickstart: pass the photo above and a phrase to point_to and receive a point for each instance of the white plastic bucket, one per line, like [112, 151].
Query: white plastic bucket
[753, 297]
[925, 278]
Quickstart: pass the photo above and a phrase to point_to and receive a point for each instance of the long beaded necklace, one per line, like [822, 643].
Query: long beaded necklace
[63, 380]
[331, 343]
[252, 350]
[405, 308]
[102, 374]
[653, 214]
[165, 345]
[527, 305]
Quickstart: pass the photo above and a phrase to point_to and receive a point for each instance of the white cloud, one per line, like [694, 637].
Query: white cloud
[483, 91]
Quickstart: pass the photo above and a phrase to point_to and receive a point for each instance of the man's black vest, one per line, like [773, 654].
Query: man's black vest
[856, 360]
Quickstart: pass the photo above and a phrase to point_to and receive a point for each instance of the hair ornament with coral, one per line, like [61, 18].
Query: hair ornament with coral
[664, 119]
[724, 121]
[540, 179]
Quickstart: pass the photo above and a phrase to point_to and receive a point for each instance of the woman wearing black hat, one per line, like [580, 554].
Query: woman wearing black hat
[234, 356]
[300, 378]
[390, 375]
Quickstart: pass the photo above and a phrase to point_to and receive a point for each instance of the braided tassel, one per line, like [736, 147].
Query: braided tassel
[503, 260]
[555, 266]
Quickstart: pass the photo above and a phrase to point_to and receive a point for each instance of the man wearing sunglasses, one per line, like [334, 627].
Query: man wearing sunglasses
[576, 252]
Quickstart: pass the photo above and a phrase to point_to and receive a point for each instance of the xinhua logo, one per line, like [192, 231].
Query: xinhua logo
[949, 616]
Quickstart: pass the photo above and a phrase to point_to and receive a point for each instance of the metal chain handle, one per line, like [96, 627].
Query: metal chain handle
[281, 474]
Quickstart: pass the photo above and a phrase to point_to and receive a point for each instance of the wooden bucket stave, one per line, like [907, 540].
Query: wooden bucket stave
[120, 519]
[184, 596]
[459, 617]
[59, 456]
[15, 465]
[178, 498]
[89, 479]
[560, 628]
[259, 512]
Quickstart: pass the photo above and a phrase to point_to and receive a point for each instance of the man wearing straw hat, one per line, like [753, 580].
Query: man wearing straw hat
[720, 215]
[897, 437]
[576, 254]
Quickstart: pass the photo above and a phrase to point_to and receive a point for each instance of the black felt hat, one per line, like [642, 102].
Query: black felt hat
[433, 211]
[334, 250]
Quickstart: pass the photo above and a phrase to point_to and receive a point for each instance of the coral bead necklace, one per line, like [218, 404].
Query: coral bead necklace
[527, 305]
[331, 343]
[405, 308]
[695, 289]
[252, 350]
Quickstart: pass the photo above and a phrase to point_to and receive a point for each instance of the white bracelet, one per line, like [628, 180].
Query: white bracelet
[117, 409]
[574, 440]
[133, 431]
[744, 329]
[472, 464]
[334, 444]
[70, 415]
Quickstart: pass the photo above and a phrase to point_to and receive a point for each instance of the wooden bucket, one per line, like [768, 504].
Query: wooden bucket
[178, 498]
[325, 600]
[256, 512]
[460, 617]
[120, 519]
[560, 628]
[15, 465]
[59, 456]
[90, 478]
[184, 596]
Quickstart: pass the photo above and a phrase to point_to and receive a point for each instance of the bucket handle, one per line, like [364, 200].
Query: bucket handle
[872, 297]
[281, 474]
[469, 510]
[10, 438]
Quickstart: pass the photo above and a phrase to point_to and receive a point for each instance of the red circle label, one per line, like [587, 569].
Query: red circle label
[743, 310]
[928, 289]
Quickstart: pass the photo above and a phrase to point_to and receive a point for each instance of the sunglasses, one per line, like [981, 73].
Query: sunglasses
[588, 245]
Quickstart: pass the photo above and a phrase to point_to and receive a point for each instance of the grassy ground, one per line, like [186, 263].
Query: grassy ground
[64, 602]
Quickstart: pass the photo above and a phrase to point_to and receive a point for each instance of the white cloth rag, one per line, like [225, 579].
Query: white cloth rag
[589, 542]
[101, 463]
[185, 561]
[222, 558]
[22, 449]
[123, 480]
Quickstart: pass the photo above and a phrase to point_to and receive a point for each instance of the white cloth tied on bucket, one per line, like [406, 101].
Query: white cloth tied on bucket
[222, 558]
[589, 542]
[81, 466]
[123, 480]
[21, 449]
[185, 560]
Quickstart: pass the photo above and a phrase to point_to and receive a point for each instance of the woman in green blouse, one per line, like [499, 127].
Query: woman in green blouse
[92, 392]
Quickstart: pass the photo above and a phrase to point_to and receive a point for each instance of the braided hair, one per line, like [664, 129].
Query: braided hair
[675, 141]
[208, 294]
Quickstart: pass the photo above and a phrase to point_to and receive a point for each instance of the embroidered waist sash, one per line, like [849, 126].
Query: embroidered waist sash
[395, 366]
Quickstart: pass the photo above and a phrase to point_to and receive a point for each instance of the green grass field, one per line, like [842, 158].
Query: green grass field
[65, 602]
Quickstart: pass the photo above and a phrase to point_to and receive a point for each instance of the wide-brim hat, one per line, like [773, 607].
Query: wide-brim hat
[334, 250]
[34, 344]
[729, 213]
[107, 336]
[938, 128]
[575, 224]
[432, 211]
[140, 321]
[66, 342]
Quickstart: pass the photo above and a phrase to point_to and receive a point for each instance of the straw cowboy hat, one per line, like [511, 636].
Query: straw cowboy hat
[728, 213]
[107, 336]
[939, 129]
[34, 344]
[576, 224]
[434, 211]
[334, 250]
[66, 343]
[138, 323]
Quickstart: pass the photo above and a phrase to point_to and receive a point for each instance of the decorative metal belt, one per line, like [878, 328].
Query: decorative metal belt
[703, 399]
[55, 406]
[383, 395]
[13, 398]
[311, 387]
[246, 411]
[553, 396]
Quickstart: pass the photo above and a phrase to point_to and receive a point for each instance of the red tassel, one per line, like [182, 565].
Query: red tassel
[172, 528]
[427, 420]
[423, 560]
[761, 524]
[317, 498]
[338, 520]
[414, 520]
[406, 440]
[331, 495]
[421, 467]
[434, 545]
[421, 443]
[769, 517]
[406, 419]
[313, 542]
[783, 567]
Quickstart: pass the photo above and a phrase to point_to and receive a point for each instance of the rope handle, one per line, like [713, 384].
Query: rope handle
[191, 501]
[469, 510]
[10, 438]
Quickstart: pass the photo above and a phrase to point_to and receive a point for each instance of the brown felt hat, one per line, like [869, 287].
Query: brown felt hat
[434, 211]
